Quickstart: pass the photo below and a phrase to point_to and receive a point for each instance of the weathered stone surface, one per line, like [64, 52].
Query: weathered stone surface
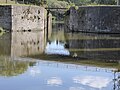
[22, 18]
[5, 17]
[98, 19]
[71, 20]
[27, 17]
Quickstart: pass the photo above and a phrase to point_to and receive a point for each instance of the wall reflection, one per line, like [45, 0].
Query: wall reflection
[5, 44]
[19, 44]
[22, 43]
[95, 46]
[84, 45]
[27, 43]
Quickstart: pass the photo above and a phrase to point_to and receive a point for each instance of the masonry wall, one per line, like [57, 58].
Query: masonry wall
[98, 19]
[22, 18]
[27, 18]
[29, 27]
[5, 17]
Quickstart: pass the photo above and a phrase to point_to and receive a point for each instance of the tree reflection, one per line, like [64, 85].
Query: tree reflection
[116, 80]
[9, 67]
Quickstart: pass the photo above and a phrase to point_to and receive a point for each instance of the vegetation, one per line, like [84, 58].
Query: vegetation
[85, 2]
[68, 3]
[76, 2]
[10, 67]
[58, 14]
[63, 3]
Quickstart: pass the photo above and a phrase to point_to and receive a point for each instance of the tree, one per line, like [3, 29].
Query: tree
[118, 2]
[108, 2]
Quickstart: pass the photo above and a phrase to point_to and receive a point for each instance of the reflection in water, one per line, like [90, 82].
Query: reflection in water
[35, 71]
[56, 44]
[76, 88]
[95, 82]
[56, 48]
[27, 43]
[94, 45]
[9, 68]
[5, 44]
[86, 45]
[54, 81]
[116, 81]
[22, 43]
[32, 74]
[60, 76]
[16, 44]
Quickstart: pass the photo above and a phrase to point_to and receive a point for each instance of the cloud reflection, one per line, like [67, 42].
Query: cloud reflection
[55, 48]
[76, 88]
[54, 81]
[35, 71]
[92, 81]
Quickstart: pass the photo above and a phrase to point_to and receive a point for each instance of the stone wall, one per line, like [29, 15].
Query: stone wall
[22, 18]
[27, 18]
[29, 27]
[5, 17]
[98, 19]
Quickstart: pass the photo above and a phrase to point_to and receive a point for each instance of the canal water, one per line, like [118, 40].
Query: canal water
[61, 61]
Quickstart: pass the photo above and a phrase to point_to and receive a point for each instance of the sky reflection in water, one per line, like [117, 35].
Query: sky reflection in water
[46, 75]
[56, 48]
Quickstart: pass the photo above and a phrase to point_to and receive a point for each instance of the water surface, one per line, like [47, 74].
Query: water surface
[32, 74]
[62, 61]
